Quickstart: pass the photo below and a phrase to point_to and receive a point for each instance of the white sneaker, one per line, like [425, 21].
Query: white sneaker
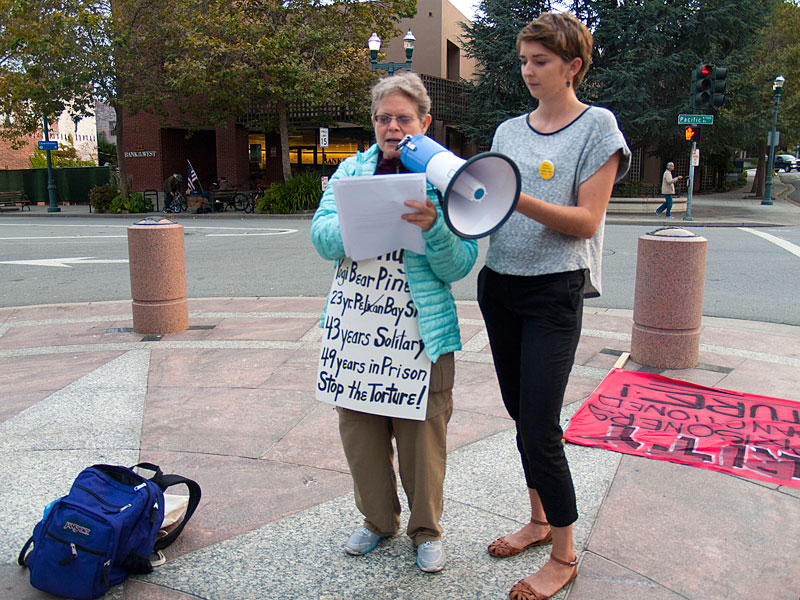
[430, 556]
[361, 541]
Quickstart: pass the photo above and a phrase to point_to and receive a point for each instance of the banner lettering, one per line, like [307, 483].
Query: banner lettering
[666, 419]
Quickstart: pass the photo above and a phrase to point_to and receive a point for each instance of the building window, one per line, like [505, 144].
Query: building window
[453, 61]
[305, 153]
[258, 154]
[304, 148]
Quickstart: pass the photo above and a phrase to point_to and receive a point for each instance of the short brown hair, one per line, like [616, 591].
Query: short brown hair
[564, 35]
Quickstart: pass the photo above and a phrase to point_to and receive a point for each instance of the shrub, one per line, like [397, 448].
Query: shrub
[100, 197]
[302, 192]
[275, 200]
[117, 204]
[305, 191]
[635, 189]
[135, 203]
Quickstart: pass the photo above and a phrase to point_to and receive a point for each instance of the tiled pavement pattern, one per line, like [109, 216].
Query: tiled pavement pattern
[230, 403]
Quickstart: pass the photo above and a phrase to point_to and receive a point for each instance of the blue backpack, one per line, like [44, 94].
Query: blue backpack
[105, 529]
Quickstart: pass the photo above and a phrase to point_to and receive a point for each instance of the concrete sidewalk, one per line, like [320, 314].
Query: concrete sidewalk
[736, 208]
[230, 403]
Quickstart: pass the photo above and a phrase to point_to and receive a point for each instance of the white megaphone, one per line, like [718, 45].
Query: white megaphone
[479, 193]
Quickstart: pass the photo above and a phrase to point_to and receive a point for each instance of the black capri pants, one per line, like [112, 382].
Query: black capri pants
[534, 325]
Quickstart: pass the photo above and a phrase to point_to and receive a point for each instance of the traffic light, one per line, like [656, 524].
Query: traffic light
[718, 87]
[691, 133]
[702, 85]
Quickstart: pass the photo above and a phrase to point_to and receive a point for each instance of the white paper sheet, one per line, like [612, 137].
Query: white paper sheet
[369, 210]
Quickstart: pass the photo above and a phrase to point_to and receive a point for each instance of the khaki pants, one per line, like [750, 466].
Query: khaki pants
[422, 455]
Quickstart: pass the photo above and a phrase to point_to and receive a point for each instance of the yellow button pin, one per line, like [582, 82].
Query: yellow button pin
[546, 169]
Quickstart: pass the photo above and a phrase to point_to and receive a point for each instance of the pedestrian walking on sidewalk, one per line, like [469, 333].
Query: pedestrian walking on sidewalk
[668, 189]
[539, 266]
[400, 106]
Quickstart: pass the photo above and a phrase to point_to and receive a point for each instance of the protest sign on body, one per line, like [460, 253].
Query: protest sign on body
[372, 357]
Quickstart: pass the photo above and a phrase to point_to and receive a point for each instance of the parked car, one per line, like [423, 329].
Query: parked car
[787, 162]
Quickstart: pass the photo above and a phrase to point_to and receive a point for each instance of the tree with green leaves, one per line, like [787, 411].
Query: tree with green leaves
[65, 156]
[106, 151]
[776, 52]
[41, 65]
[498, 91]
[216, 59]
[644, 56]
[267, 53]
[58, 55]
[642, 62]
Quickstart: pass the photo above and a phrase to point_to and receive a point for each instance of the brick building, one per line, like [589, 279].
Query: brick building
[152, 151]
[19, 157]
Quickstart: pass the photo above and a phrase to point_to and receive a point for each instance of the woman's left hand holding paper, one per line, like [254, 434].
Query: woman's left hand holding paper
[425, 216]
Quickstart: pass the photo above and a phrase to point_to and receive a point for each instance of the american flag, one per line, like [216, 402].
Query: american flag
[192, 178]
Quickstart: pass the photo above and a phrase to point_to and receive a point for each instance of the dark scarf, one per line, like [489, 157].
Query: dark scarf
[389, 166]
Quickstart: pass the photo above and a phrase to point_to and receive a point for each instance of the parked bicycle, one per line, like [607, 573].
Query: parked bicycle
[175, 203]
[224, 195]
[231, 199]
[253, 197]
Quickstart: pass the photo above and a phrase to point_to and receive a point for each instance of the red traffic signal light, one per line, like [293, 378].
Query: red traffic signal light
[701, 86]
[690, 133]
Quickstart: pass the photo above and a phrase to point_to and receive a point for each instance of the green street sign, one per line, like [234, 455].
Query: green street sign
[695, 119]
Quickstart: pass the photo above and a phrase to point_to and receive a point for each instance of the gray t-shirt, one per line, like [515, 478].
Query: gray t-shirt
[553, 166]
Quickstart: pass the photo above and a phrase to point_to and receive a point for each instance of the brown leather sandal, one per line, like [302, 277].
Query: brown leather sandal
[500, 548]
[523, 590]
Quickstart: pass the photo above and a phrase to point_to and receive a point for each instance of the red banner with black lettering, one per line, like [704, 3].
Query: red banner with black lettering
[667, 419]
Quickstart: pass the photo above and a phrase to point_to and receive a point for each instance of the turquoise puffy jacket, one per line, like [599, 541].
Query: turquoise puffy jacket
[447, 258]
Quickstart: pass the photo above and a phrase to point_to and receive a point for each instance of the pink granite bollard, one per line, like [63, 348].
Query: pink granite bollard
[158, 276]
[668, 300]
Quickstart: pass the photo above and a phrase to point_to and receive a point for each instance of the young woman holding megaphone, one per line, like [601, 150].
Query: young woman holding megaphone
[540, 264]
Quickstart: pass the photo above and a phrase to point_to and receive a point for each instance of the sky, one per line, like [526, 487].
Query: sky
[466, 6]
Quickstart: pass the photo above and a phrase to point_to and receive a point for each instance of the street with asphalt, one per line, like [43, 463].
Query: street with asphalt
[229, 403]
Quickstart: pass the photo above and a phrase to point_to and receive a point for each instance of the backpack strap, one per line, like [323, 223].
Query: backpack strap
[165, 481]
[150, 467]
[23, 559]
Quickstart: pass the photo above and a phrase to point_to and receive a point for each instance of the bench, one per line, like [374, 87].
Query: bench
[15, 198]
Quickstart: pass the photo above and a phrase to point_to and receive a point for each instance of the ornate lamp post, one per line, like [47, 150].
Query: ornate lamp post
[51, 186]
[777, 88]
[374, 44]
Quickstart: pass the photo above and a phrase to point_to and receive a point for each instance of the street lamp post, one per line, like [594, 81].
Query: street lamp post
[51, 186]
[374, 44]
[777, 88]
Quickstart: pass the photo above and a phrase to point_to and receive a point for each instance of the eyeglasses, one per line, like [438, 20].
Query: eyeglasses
[402, 120]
